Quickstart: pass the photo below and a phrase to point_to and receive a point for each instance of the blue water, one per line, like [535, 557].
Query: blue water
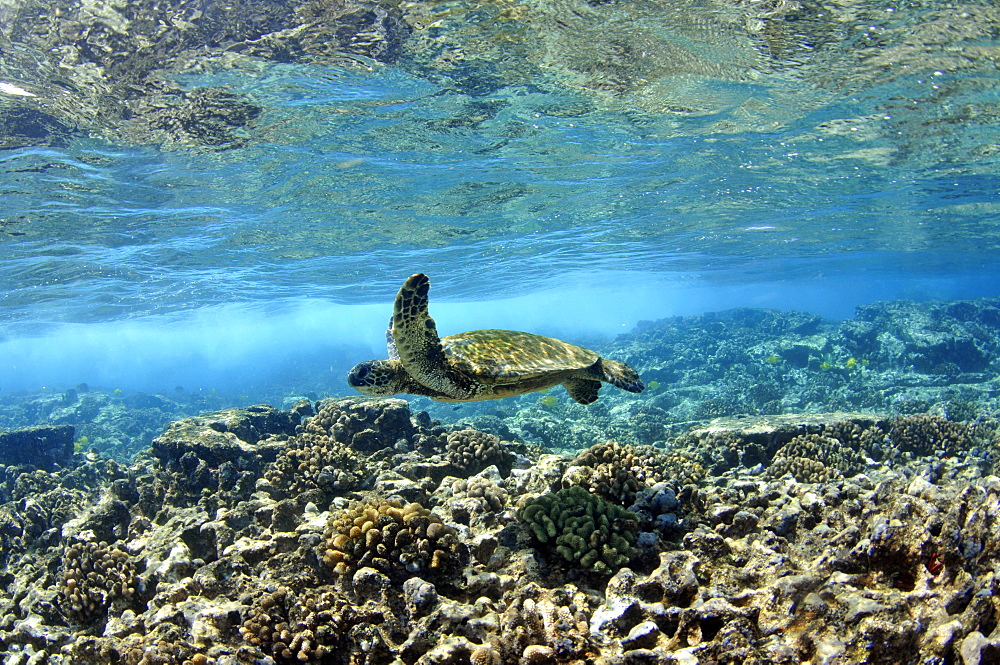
[564, 168]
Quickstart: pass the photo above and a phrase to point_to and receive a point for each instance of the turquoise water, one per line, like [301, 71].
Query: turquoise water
[211, 194]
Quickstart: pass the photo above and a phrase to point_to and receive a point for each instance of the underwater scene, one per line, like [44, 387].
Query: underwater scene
[510, 332]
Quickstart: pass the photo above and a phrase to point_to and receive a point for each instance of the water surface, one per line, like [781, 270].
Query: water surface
[225, 174]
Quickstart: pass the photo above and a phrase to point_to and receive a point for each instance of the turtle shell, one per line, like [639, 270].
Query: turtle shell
[509, 356]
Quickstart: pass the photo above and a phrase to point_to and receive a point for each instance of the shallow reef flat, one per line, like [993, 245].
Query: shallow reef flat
[357, 531]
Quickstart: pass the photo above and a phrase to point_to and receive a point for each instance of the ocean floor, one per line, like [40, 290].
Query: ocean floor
[786, 490]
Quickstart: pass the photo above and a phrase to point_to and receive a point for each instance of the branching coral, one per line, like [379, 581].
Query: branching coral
[94, 575]
[471, 451]
[396, 539]
[813, 458]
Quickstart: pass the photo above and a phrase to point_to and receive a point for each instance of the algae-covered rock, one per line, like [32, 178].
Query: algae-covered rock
[583, 528]
[40, 447]
[235, 435]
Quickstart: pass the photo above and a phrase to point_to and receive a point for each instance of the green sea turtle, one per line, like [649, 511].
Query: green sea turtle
[479, 365]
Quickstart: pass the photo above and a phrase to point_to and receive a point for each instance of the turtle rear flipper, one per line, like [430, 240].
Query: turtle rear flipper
[418, 344]
[583, 391]
[619, 374]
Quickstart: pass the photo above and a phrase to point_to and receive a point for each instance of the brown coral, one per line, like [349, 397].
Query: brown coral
[315, 462]
[615, 472]
[856, 436]
[396, 539]
[813, 458]
[364, 425]
[294, 630]
[479, 499]
[94, 575]
[540, 624]
[928, 434]
[471, 451]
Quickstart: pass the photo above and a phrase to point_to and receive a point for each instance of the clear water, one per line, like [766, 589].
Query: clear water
[563, 167]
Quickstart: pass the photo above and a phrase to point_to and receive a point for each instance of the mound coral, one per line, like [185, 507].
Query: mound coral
[927, 434]
[615, 472]
[292, 630]
[364, 425]
[315, 463]
[582, 528]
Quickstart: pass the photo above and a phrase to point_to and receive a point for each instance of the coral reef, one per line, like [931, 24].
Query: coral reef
[615, 472]
[313, 465]
[813, 458]
[543, 625]
[481, 498]
[928, 434]
[42, 447]
[118, 424]
[769, 539]
[291, 630]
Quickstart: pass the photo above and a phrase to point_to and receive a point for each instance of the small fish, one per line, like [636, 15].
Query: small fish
[549, 401]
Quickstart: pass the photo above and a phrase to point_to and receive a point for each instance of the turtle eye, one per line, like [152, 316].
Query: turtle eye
[363, 371]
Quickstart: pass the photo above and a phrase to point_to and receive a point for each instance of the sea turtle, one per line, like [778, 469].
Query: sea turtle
[479, 365]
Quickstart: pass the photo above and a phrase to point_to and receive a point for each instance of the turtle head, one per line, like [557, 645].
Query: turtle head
[379, 378]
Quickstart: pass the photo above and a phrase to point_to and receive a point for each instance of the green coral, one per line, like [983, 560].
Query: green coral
[583, 528]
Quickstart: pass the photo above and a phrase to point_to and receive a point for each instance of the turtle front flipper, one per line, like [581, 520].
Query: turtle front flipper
[583, 391]
[418, 343]
[619, 374]
[390, 342]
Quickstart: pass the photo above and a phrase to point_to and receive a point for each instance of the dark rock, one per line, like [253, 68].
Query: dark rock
[109, 521]
[39, 447]
[640, 657]
[245, 437]
[642, 636]
[285, 516]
